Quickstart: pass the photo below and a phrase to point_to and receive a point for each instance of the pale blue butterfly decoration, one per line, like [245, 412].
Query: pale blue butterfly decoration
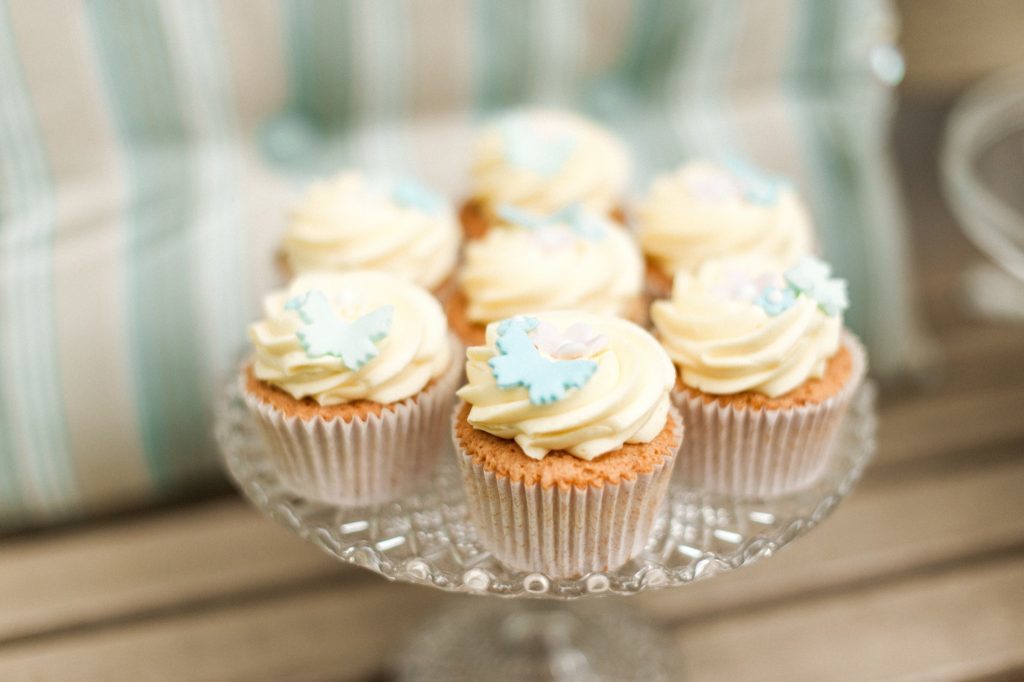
[354, 342]
[542, 152]
[810, 277]
[813, 278]
[410, 194]
[758, 187]
[520, 364]
[583, 223]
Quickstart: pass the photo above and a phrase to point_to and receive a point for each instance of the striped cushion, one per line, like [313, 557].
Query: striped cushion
[148, 151]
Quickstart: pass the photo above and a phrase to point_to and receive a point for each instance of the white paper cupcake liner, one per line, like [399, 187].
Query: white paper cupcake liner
[762, 453]
[363, 461]
[563, 533]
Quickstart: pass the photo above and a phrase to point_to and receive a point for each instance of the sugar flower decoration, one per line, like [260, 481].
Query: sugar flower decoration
[813, 278]
[324, 333]
[776, 294]
[577, 341]
[775, 300]
[520, 365]
[583, 223]
[738, 285]
[536, 147]
[553, 238]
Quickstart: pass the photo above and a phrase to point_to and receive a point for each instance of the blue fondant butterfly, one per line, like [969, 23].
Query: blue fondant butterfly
[758, 186]
[521, 365]
[411, 194]
[582, 222]
[813, 277]
[324, 333]
[525, 148]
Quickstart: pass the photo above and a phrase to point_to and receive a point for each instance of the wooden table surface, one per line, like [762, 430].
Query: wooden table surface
[918, 576]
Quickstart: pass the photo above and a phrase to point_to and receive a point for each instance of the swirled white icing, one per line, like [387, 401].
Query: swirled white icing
[700, 211]
[353, 222]
[513, 270]
[718, 329]
[626, 400]
[544, 160]
[415, 350]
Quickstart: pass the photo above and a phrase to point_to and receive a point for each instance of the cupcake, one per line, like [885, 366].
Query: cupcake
[352, 380]
[704, 210]
[566, 439]
[570, 260]
[352, 222]
[542, 161]
[766, 372]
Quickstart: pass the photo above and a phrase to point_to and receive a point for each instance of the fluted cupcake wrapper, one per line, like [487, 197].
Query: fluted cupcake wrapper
[564, 533]
[757, 452]
[363, 461]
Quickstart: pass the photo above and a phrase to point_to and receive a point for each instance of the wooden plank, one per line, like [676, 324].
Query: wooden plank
[937, 426]
[954, 625]
[879, 531]
[967, 358]
[878, 632]
[153, 562]
[306, 633]
[977, 356]
[325, 634]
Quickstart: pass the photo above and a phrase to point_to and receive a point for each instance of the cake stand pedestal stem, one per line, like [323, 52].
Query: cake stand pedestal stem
[533, 639]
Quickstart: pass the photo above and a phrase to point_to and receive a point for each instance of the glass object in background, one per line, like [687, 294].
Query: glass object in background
[426, 538]
[983, 171]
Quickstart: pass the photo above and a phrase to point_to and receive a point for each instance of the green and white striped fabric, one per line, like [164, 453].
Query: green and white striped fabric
[148, 151]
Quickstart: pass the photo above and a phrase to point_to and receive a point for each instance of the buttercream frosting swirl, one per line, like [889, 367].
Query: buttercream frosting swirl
[625, 400]
[544, 160]
[351, 222]
[736, 325]
[415, 349]
[702, 210]
[512, 270]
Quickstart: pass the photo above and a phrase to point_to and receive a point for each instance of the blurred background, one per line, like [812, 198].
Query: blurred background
[149, 151]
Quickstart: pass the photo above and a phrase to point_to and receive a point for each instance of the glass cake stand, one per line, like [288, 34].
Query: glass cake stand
[982, 166]
[427, 539]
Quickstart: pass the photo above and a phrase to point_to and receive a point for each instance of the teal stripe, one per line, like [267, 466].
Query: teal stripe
[711, 133]
[828, 151]
[29, 232]
[11, 124]
[220, 198]
[502, 48]
[235, 309]
[320, 61]
[658, 31]
[384, 60]
[391, 40]
[307, 138]
[637, 95]
[142, 93]
[217, 250]
[558, 49]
